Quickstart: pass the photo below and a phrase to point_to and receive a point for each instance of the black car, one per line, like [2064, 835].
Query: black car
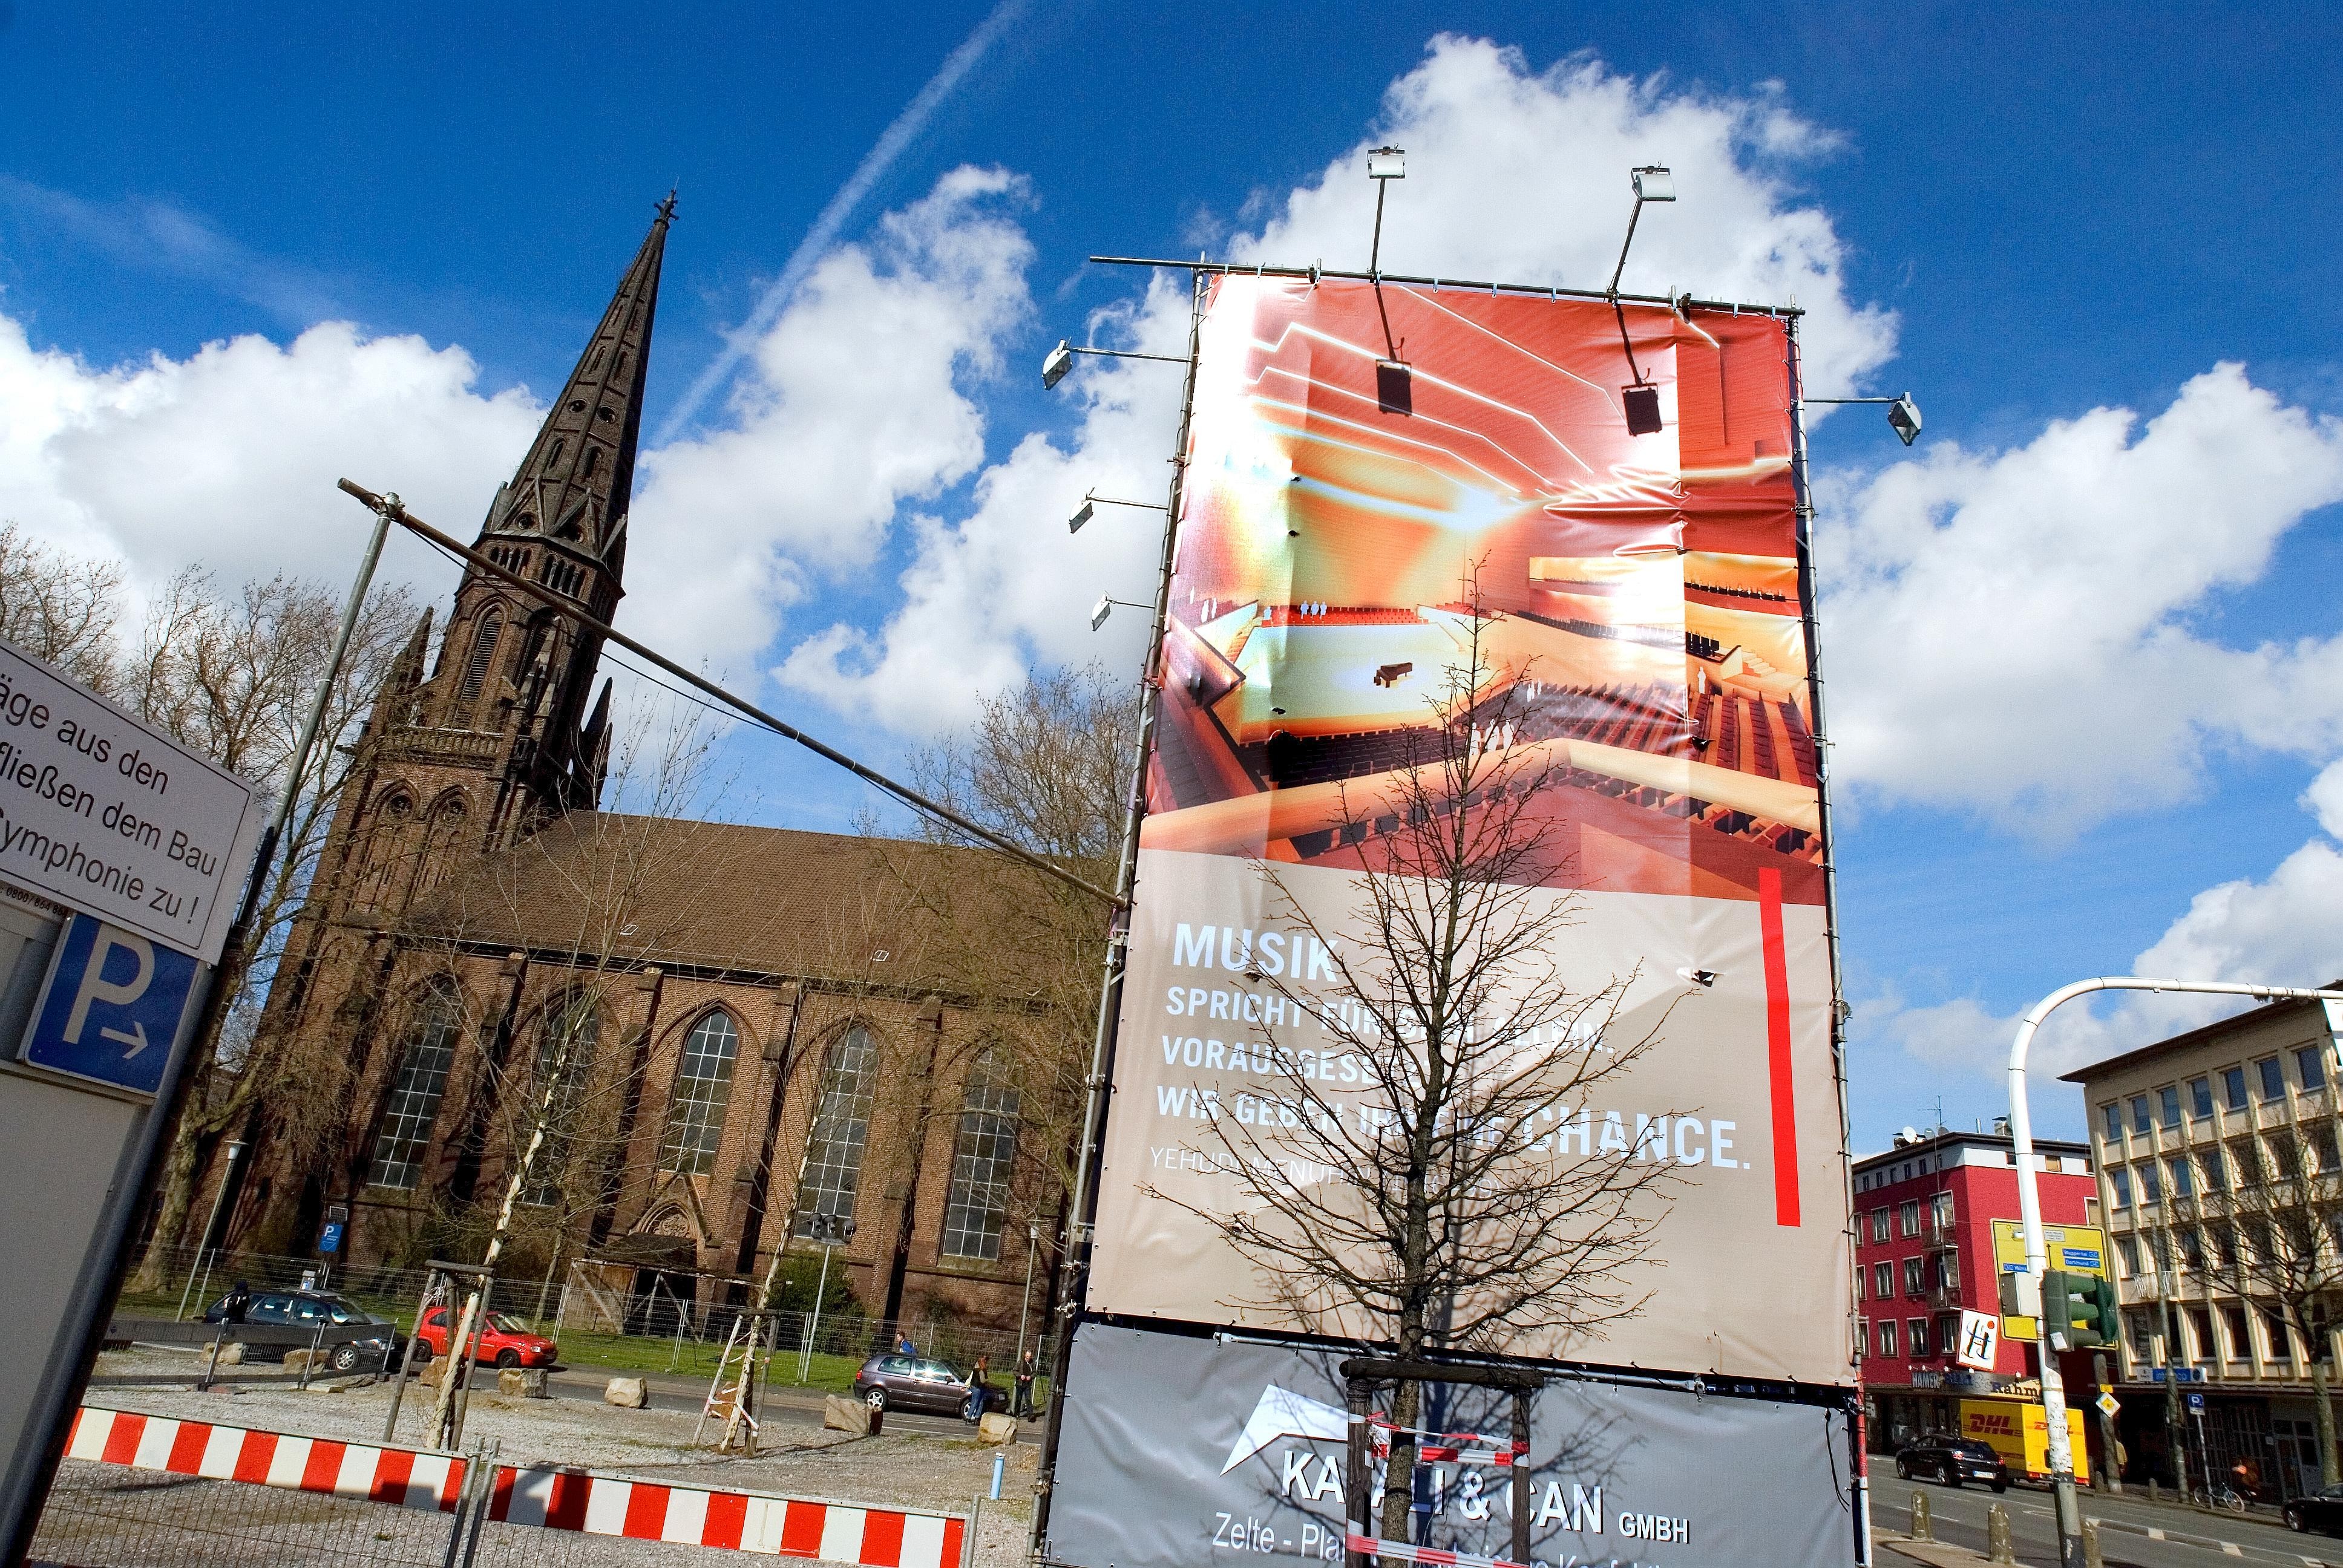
[895, 1381]
[2321, 1510]
[307, 1309]
[1949, 1457]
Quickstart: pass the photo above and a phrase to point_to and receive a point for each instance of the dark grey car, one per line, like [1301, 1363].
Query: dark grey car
[896, 1381]
[308, 1309]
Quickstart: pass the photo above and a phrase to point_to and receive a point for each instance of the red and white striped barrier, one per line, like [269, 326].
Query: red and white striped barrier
[547, 1497]
[1430, 1556]
[1447, 1446]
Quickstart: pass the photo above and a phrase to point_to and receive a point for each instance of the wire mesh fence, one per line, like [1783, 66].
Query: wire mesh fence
[104, 1515]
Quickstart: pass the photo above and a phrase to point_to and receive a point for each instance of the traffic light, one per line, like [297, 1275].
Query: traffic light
[2078, 1311]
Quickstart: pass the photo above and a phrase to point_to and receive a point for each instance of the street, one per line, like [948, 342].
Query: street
[2190, 1538]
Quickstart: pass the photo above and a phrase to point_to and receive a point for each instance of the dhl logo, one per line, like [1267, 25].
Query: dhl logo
[1985, 1423]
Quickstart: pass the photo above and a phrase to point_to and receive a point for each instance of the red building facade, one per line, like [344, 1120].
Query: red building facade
[1924, 1251]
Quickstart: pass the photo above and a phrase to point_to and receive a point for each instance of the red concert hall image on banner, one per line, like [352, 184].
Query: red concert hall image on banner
[1369, 561]
[1645, 588]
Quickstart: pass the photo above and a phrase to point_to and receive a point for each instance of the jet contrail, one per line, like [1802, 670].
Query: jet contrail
[824, 232]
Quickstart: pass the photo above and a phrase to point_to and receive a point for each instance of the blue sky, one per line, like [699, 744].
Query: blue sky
[2024, 216]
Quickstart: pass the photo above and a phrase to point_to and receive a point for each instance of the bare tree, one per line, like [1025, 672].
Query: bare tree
[2277, 1239]
[1433, 1208]
[62, 607]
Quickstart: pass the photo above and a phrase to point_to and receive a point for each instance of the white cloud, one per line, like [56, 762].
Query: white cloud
[2011, 632]
[229, 455]
[1484, 134]
[861, 400]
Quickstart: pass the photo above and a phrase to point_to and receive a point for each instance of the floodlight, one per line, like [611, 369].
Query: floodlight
[1654, 183]
[1098, 612]
[1903, 419]
[1394, 388]
[1387, 164]
[1702, 977]
[1642, 405]
[1059, 360]
[1074, 524]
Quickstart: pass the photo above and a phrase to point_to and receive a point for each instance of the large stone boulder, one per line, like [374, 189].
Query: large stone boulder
[627, 1394]
[297, 1362]
[839, 1415]
[232, 1354]
[522, 1383]
[996, 1428]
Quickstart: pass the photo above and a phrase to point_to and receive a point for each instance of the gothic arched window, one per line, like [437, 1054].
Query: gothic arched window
[982, 1163]
[483, 654]
[841, 1124]
[703, 1087]
[593, 460]
[405, 1126]
[565, 1059]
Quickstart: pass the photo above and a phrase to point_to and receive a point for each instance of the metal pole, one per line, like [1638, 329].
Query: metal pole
[1073, 1257]
[1025, 1307]
[2029, 1209]
[211, 1222]
[813, 1329]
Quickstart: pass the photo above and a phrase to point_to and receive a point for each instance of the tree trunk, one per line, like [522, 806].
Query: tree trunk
[183, 1167]
[2323, 1414]
[1399, 1480]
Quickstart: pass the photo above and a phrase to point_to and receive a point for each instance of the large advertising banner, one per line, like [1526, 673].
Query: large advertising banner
[1632, 607]
[1183, 1451]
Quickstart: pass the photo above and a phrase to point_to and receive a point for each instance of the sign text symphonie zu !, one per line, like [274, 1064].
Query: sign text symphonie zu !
[106, 814]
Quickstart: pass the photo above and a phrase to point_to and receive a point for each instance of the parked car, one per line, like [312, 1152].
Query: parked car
[895, 1381]
[307, 1309]
[1949, 1457]
[505, 1340]
[2321, 1510]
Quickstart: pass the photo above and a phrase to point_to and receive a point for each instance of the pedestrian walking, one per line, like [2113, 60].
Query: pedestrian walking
[1025, 1388]
[239, 1301]
[978, 1394]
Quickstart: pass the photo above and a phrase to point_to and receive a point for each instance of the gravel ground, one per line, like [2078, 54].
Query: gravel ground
[899, 1469]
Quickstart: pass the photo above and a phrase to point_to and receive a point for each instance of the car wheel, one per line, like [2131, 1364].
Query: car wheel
[2296, 1522]
[1949, 1474]
[508, 1357]
[876, 1398]
[1903, 1471]
[344, 1359]
[2001, 1483]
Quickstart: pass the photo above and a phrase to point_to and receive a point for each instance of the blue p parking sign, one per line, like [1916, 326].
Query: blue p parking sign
[111, 1006]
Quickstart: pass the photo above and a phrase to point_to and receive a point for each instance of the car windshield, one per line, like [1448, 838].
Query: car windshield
[1972, 1447]
[938, 1373]
[342, 1309]
[505, 1324]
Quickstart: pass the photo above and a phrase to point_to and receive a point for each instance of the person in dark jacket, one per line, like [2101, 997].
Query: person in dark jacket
[238, 1302]
[1024, 1411]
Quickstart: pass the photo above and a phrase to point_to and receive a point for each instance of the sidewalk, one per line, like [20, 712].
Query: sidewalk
[1936, 1554]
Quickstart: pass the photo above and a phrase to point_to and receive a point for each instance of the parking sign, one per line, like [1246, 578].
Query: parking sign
[111, 1007]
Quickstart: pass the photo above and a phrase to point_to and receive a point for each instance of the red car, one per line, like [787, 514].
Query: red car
[504, 1340]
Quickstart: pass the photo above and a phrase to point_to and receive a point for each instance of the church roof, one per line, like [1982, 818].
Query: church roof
[613, 889]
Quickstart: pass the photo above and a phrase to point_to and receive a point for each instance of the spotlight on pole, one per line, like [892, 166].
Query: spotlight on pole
[1099, 611]
[1074, 524]
[1387, 164]
[1060, 359]
[1642, 405]
[1654, 183]
[1394, 384]
[1903, 419]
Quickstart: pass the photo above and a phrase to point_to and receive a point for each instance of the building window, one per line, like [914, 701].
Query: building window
[1943, 1214]
[2151, 1184]
[413, 1104]
[1915, 1331]
[2247, 1163]
[2233, 1088]
[2322, 1140]
[484, 652]
[1908, 1217]
[2200, 1323]
[834, 1156]
[982, 1163]
[1887, 1336]
[2223, 1243]
[2128, 1255]
[2111, 1121]
[2192, 1251]
[2310, 1064]
[2139, 1114]
[2090, 1211]
[2282, 1343]
[2168, 1105]
[1912, 1277]
[2273, 1078]
[2183, 1184]
[565, 1059]
[2200, 1096]
[2215, 1169]
[1882, 1281]
[2232, 1322]
[703, 1086]
[2120, 1181]
[1879, 1224]
[1861, 1338]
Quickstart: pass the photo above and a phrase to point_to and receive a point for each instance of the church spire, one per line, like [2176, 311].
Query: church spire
[573, 486]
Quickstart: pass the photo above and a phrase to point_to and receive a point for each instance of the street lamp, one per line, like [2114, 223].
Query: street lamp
[1093, 501]
[1394, 384]
[1060, 359]
[2061, 1457]
[1025, 1307]
[1653, 182]
[831, 1230]
[1105, 606]
[211, 1225]
[1639, 399]
[1903, 414]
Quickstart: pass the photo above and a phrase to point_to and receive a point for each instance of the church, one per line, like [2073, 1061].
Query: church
[710, 1042]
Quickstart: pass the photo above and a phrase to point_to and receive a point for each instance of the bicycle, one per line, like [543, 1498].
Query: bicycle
[2224, 1496]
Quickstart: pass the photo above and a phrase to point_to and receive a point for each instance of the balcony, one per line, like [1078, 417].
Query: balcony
[1946, 1297]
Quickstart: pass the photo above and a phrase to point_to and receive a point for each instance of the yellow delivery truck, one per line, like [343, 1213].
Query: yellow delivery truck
[2016, 1430]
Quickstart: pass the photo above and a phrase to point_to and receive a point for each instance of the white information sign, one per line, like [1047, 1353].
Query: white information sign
[102, 813]
[1980, 1337]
